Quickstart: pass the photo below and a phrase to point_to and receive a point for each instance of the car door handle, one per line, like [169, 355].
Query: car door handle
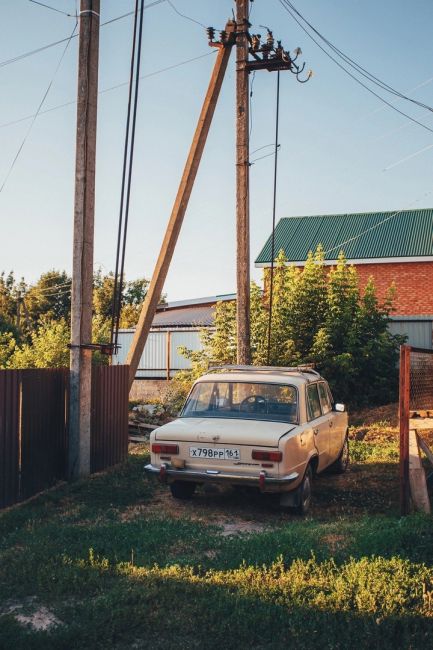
[315, 431]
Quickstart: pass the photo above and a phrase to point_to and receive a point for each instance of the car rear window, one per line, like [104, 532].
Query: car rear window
[243, 400]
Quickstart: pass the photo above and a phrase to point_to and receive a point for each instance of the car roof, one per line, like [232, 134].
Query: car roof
[263, 375]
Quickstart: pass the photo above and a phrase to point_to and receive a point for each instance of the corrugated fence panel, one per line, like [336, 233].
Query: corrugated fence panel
[109, 425]
[190, 340]
[418, 332]
[43, 428]
[9, 436]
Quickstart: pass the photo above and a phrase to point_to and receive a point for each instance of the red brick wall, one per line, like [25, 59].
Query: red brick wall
[413, 280]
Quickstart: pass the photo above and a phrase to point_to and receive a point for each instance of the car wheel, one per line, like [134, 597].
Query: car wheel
[182, 489]
[304, 493]
[342, 462]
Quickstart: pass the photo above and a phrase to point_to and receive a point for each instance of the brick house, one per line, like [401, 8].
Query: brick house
[390, 246]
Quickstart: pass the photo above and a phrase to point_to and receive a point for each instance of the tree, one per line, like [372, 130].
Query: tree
[50, 298]
[48, 347]
[317, 317]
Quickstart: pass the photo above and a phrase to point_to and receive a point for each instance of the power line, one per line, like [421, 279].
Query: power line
[128, 144]
[25, 55]
[59, 11]
[106, 90]
[20, 148]
[193, 20]
[382, 99]
[356, 66]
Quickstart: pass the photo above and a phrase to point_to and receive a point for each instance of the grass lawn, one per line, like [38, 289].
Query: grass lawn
[114, 562]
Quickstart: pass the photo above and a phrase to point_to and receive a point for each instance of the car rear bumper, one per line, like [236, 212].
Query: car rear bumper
[167, 474]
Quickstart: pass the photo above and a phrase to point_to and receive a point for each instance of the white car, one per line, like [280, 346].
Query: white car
[267, 428]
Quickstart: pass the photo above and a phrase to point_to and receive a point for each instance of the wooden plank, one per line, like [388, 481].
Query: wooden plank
[421, 424]
[421, 413]
[426, 449]
[417, 480]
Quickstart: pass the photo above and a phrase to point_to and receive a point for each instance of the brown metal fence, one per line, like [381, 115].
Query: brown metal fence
[44, 427]
[9, 436]
[34, 407]
[109, 442]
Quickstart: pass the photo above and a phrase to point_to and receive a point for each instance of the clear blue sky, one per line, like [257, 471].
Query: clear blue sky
[336, 139]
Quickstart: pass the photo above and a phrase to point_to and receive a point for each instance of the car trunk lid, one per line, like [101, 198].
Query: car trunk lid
[224, 431]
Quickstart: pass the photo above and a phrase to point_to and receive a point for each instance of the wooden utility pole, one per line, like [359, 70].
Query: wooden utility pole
[82, 273]
[180, 205]
[242, 184]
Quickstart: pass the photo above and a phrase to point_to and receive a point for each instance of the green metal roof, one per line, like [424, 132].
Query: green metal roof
[367, 235]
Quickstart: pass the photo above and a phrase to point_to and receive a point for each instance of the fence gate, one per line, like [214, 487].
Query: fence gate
[416, 417]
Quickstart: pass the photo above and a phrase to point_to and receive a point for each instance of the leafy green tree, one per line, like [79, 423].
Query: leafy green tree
[47, 348]
[317, 317]
[50, 298]
[8, 345]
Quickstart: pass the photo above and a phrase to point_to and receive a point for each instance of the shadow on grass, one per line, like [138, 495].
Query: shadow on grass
[108, 608]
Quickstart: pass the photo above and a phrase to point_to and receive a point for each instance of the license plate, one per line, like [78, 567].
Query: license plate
[215, 453]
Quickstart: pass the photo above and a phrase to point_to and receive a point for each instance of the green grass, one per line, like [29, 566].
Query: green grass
[121, 566]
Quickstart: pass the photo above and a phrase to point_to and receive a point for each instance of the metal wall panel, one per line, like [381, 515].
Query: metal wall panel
[190, 340]
[419, 332]
[153, 362]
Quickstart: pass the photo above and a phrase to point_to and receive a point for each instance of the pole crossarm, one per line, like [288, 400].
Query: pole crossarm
[181, 202]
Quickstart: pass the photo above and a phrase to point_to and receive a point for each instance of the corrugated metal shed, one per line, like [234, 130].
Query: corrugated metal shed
[369, 235]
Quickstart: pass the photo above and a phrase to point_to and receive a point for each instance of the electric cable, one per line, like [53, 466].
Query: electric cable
[20, 148]
[25, 55]
[59, 11]
[271, 281]
[116, 297]
[193, 20]
[127, 171]
[106, 90]
[382, 99]
[356, 66]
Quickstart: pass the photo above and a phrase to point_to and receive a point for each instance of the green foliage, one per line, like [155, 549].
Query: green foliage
[317, 317]
[47, 348]
[50, 298]
[133, 295]
[7, 347]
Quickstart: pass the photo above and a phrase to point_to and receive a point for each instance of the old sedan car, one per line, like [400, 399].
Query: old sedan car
[267, 428]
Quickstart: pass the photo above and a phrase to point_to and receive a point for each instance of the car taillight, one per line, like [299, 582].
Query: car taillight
[274, 456]
[157, 448]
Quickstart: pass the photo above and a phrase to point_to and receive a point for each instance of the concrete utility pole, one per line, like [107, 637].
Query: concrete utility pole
[181, 202]
[242, 184]
[82, 274]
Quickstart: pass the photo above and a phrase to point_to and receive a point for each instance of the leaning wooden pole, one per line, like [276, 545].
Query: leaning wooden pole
[180, 205]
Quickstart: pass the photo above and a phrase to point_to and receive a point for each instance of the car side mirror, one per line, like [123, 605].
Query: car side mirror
[340, 408]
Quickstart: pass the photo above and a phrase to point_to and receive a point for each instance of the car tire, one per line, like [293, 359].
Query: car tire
[342, 462]
[304, 492]
[182, 490]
